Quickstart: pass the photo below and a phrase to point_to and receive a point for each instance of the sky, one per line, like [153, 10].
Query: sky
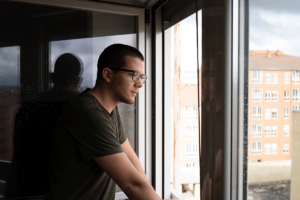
[273, 25]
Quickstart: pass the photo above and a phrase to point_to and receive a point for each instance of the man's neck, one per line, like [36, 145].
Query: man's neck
[104, 96]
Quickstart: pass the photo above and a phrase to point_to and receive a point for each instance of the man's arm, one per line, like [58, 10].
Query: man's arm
[122, 171]
[133, 157]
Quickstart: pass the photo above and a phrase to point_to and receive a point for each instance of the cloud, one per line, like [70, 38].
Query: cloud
[275, 25]
[9, 66]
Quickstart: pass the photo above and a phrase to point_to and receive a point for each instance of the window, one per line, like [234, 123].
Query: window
[256, 130]
[295, 76]
[256, 148]
[191, 150]
[268, 78]
[274, 113]
[268, 96]
[296, 96]
[275, 78]
[267, 131]
[191, 113]
[286, 113]
[286, 148]
[274, 131]
[257, 94]
[296, 107]
[268, 113]
[257, 112]
[191, 132]
[274, 95]
[257, 76]
[267, 148]
[286, 130]
[274, 148]
[287, 95]
[287, 77]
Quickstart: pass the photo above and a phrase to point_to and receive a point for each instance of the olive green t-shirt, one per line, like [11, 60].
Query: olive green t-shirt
[84, 131]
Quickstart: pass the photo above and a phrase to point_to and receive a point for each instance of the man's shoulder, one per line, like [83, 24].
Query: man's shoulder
[85, 101]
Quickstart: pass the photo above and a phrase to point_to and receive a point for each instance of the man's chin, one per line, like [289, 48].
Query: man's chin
[129, 101]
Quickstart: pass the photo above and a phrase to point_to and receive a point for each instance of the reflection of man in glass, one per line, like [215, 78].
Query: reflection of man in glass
[35, 122]
[91, 152]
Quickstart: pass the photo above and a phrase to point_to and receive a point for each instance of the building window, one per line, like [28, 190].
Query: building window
[256, 130]
[274, 113]
[268, 96]
[286, 113]
[274, 96]
[191, 132]
[295, 76]
[257, 112]
[286, 130]
[256, 148]
[274, 148]
[287, 77]
[267, 148]
[296, 107]
[274, 131]
[257, 94]
[286, 147]
[275, 78]
[268, 113]
[191, 113]
[267, 131]
[191, 150]
[257, 77]
[287, 95]
[296, 96]
[268, 78]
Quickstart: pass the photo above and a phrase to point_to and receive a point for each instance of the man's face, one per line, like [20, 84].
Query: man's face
[125, 88]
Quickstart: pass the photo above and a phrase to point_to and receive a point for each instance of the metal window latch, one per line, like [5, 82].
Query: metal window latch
[147, 16]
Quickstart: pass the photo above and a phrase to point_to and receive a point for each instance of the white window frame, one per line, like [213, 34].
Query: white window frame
[275, 78]
[256, 148]
[274, 148]
[256, 130]
[268, 78]
[267, 131]
[295, 107]
[295, 94]
[274, 113]
[191, 132]
[286, 130]
[287, 77]
[286, 95]
[286, 114]
[267, 148]
[257, 112]
[295, 76]
[268, 113]
[268, 96]
[286, 148]
[192, 113]
[257, 94]
[274, 96]
[257, 77]
[191, 150]
[274, 131]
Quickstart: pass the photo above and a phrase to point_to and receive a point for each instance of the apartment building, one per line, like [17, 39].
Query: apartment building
[274, 82]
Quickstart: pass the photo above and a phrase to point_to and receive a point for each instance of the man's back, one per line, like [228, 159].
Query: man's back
[84, 132]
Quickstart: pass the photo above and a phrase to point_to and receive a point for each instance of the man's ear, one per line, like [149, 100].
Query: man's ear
[107, 74]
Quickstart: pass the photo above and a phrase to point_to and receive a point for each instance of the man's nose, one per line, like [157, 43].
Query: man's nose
[139, 83]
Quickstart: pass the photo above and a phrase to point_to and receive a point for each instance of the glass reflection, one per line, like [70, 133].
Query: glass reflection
[53, 62]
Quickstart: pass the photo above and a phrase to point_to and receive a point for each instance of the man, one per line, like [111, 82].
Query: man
[91, 152]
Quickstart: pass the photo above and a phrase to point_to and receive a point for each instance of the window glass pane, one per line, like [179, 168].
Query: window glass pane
[35, 89]
[183, 86]
[274, 49]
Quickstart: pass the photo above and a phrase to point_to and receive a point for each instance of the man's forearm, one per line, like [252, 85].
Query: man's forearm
[137, 164]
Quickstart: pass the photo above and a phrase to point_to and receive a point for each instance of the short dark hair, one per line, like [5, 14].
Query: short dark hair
[114, 55]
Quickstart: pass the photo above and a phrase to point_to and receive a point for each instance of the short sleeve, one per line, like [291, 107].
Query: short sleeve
[122, 134]
[94, 134]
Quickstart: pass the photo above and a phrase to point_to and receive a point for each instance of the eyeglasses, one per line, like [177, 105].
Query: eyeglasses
[135, 75]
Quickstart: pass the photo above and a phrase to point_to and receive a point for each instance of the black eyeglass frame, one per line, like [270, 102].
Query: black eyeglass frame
[140, 76]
